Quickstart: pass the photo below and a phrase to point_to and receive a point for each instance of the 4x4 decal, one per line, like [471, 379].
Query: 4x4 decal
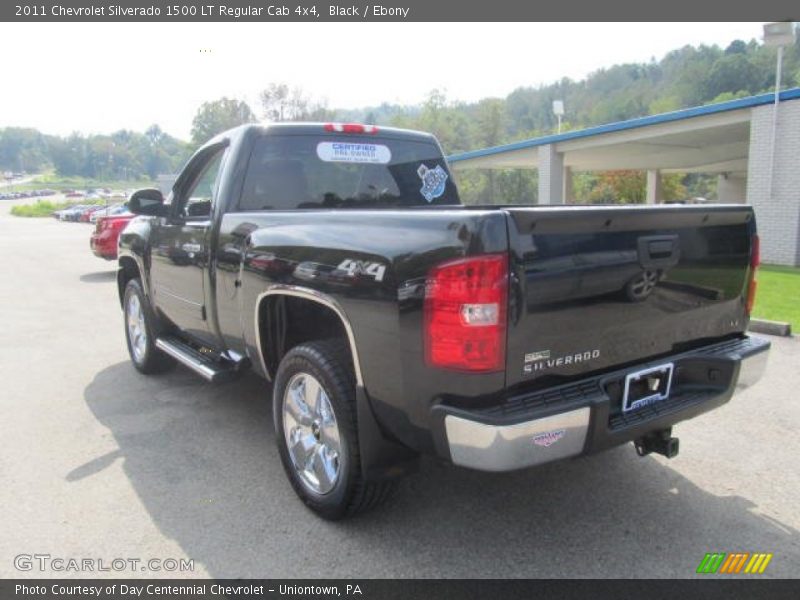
[358, 267]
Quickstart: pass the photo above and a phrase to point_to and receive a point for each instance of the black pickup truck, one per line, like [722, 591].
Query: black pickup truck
[337, 261]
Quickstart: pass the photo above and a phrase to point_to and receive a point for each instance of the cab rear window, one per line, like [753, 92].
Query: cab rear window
[289, 172]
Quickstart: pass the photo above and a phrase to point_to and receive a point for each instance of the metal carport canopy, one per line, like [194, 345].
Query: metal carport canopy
[712, 138]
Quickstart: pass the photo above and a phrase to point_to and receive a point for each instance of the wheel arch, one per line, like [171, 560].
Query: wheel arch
[269, 355]
[382, 456]
[129, 268]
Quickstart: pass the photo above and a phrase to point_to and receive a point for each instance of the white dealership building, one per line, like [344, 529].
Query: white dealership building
[752, 144]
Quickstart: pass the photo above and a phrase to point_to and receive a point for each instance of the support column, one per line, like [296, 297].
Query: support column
[731, 188]
[654, 192]
[551, 175]
[778, 213]
[569, 192]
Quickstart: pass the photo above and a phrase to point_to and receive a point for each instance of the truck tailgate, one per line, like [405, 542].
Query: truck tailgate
[599, 287]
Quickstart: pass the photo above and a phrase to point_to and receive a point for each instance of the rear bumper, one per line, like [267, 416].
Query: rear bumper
[585, 416]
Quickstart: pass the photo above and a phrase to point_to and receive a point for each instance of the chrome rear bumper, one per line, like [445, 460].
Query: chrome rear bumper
[504, 448]
[751, 369]
[528, 431]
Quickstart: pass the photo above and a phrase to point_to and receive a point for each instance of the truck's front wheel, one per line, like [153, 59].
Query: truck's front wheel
[140, 332]
[316, 429]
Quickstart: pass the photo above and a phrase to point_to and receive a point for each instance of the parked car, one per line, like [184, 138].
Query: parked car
[478, 366]
[115, 209]
[71, 213]
[85, 210]
[86, 214]
[105, 238]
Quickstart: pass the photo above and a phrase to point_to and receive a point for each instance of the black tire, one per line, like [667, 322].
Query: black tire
[329, 362]
[143, 352]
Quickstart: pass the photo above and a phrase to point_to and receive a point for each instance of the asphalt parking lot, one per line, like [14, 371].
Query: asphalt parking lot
[98, 461]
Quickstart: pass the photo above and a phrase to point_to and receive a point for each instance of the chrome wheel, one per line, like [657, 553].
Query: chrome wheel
[137, 332]
[311, 433]
[644, 284]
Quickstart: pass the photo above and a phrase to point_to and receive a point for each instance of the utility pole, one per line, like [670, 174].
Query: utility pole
[558, 111]
[777, 35]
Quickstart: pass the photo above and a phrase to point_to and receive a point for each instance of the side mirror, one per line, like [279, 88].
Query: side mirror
[148, 201]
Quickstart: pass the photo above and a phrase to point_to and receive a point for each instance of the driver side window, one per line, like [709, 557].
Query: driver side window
[199, 198]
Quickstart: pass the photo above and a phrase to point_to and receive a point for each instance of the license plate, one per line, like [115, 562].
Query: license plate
[647, 387]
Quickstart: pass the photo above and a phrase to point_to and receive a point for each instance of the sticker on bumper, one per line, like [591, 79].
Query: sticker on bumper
[548, 439]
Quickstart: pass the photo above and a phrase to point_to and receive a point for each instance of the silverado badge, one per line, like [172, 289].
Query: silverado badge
[542, 360]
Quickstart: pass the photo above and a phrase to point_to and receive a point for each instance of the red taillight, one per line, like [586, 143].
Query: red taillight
[752, 284]
[350, 128]
[755, 252]
[465, 314]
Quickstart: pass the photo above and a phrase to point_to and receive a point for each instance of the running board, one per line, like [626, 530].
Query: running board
[205, 365]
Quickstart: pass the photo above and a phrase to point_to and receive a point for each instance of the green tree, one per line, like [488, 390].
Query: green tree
[490, 121]
[125, 155]
[154, 135]
[23, 149]
[672, 186]
[736, 47]
[279, 102]
[733, 73]
[69, 155]
[620, 187]
[625, 187]
[219, 115]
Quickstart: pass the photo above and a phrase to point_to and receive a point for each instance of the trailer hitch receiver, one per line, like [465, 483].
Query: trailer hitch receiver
[660, 442]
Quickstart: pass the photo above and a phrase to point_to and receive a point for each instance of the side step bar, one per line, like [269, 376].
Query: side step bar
[205, 365]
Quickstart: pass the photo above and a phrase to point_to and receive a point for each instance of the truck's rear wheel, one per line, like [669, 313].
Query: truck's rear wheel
[140, 332]
[317, 433]
[640, 287]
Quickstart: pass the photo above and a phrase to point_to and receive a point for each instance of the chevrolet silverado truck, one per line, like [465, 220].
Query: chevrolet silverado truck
[337, 262]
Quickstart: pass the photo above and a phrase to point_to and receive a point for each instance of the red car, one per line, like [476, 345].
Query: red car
[84, 217]
[106, 235]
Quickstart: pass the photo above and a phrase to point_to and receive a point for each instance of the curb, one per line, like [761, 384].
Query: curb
[770, 327]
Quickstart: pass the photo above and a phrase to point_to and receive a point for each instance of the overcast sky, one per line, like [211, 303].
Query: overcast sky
[100, 77]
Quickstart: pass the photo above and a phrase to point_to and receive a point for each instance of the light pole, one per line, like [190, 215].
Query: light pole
[778, 35]
[558, 111]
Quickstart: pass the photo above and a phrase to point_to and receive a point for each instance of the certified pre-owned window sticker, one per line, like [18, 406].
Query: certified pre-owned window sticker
[354, 152]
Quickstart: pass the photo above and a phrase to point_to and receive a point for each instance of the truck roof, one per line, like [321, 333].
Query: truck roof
[307, 128]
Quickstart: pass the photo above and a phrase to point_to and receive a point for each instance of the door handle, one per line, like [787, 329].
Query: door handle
[659, 251]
